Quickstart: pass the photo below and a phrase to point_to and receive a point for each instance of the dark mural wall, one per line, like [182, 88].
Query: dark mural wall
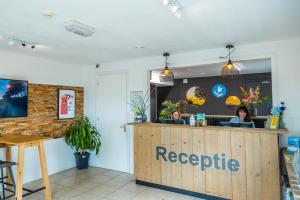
[213, 105]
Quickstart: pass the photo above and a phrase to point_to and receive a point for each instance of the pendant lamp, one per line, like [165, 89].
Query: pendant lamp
[229, 69]
[166, 74]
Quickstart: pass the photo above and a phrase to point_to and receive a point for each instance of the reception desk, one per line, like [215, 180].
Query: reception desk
[208, 162]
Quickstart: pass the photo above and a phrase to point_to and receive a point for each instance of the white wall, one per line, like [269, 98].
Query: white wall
[36, 70]
[285, 57]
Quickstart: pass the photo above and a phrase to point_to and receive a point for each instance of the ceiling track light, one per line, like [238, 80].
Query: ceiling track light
[22, 43]
[174, 6]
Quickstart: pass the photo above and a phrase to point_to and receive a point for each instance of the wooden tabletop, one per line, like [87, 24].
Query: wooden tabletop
[17, 139]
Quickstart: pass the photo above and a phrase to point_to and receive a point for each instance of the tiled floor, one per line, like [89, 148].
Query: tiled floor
[100, 184]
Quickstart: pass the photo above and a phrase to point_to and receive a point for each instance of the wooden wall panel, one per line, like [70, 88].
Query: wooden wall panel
[211, 174]
[156, 164]
[253, 165]
[42, 112]
[137, 157]
[176, 137]
[143, 160]
[148, 154]
[187, 174]
[199, 149]
[270, 169]
[224, 176]
[238, 152]
[166, 174]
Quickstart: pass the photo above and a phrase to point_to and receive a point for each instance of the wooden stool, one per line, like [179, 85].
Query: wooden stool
[8, 166]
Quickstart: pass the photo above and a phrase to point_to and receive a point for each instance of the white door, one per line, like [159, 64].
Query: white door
[111, 116]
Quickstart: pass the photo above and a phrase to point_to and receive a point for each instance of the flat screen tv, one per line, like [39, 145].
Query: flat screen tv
[13, 98]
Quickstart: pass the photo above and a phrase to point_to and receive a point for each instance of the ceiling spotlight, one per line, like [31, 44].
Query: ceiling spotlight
[165, 2]
[171, 5]
[178, 14]
[11, 42]
[175, 8]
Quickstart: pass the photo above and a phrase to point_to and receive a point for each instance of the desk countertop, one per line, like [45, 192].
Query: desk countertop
[263, 130]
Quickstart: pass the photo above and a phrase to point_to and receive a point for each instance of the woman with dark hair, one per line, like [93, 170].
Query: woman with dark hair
[177, 117]
[243, 115]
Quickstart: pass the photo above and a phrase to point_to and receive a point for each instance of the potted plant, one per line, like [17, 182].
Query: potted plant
[169, 108]
[84, 137]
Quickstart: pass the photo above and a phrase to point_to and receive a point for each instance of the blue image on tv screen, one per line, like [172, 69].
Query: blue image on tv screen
[13, 98]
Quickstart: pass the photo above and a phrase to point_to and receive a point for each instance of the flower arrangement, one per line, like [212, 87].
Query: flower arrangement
[278, 110]
[251, 98]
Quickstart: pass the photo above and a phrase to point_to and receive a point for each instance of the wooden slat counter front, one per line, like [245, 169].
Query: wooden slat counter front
[233, 163]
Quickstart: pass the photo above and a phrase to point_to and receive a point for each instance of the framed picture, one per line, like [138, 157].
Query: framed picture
[66, 104]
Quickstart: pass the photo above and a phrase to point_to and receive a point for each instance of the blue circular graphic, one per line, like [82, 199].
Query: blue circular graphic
[219, 91]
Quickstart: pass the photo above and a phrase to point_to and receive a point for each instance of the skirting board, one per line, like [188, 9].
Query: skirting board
[180, 191]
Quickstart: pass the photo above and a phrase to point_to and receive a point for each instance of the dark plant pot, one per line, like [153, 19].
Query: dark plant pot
[144, 118]
[140, 118]
[82, 160]
[252, 111]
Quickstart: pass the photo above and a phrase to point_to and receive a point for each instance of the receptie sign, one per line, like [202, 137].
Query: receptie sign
[219, 162]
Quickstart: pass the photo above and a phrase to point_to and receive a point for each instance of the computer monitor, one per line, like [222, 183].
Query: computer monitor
[237, 124]
[172, 121]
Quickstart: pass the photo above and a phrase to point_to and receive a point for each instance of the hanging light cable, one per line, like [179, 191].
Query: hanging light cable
[229, 69]
[166, 74]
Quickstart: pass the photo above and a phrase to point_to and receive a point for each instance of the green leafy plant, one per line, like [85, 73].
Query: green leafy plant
[169, 108]
[83, 136]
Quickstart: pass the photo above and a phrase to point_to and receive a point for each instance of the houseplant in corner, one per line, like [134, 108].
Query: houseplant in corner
[84, 137]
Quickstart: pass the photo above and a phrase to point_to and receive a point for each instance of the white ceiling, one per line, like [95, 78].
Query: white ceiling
[121, 25]
[247, 66]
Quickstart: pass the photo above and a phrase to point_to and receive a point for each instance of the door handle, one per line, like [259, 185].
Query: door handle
[124, 127]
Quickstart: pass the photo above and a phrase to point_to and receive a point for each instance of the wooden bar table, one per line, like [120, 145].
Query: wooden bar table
[26, 141]
[208, 162]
